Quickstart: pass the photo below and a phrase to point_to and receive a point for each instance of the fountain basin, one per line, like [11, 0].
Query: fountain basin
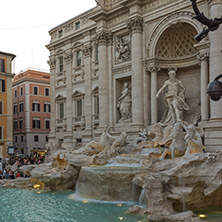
[108, 183]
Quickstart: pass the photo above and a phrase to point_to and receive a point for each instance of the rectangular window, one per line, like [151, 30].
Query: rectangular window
[22, 139]
[21, 107]
[35, 90]
[36, 124]
[77, 25]
[47, 108]
[60, 33]
[15, 108]
[47, 124]
[97, 105]
[61, 110]
[15, 125]
[35, 107]
[1, 107]
[46, 91]
[21, 91]
[2, 85]
[16, 139]
[78, 58]
[15, 93]
[36, 138]
[1, 132]
[97, 52]
[79, 107]
[2, 65]
[21, 124]
[61, 64]
[46, 138]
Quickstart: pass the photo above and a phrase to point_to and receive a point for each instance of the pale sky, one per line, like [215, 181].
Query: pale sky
[24, 26]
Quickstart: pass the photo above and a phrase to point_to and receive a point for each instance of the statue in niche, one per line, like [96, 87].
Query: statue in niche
[124, 104]
[122, 48]
[174, 99]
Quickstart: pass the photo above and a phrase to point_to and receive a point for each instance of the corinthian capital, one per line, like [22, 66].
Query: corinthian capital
[104, 37]
[135, 24]
[68, 56]
[152, 69]
[203, 56]
[52, 63]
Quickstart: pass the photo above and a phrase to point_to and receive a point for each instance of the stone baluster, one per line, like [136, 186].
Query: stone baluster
[215, 56]
[154, 112]
[135, 26]
[203, 57]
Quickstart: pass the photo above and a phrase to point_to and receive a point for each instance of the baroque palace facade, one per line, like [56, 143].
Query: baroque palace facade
[108, 63]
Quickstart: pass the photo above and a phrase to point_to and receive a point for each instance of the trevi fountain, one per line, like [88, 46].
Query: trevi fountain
[165, 174]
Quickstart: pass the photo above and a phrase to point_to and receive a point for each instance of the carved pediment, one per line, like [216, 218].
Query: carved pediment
[95, 90]
[78, 94]
[60, 97]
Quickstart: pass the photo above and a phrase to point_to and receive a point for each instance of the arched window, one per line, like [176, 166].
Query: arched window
[177, 41]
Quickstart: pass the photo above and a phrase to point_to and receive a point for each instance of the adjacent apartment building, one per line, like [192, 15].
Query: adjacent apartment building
[31, 111]
[126, 48]
[6, 76]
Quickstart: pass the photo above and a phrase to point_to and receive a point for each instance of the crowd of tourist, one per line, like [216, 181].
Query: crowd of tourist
[19, 161]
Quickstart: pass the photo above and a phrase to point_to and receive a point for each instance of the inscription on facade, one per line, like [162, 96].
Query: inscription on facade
[118, 20]
[156, 4]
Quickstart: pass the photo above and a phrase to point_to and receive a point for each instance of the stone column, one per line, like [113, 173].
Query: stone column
[204, 79]
[103, 39]
[154, 112]
[52, 64]
[68, 56]
[88, 86]
[110, 80]
[216, 56]
[135, 26]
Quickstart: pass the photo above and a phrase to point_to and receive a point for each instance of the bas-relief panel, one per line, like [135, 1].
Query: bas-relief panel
[156, 4]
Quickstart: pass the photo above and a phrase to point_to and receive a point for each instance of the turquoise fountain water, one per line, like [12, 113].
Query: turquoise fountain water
[36, 206]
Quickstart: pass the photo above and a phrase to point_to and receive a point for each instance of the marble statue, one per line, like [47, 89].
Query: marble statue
[193, 140]
[124, 104]
[174, 99]
[178, 145]
[118, 143]
[94, 147]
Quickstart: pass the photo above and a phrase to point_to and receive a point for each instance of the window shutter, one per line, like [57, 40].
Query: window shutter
[38, 107]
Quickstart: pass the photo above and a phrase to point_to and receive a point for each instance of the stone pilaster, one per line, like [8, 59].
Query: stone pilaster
[87, 52]
[135, 26]
[203, 57]
[103, 38]
[154, 112]
[52, 65]
[215, 56]
[68, 57]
